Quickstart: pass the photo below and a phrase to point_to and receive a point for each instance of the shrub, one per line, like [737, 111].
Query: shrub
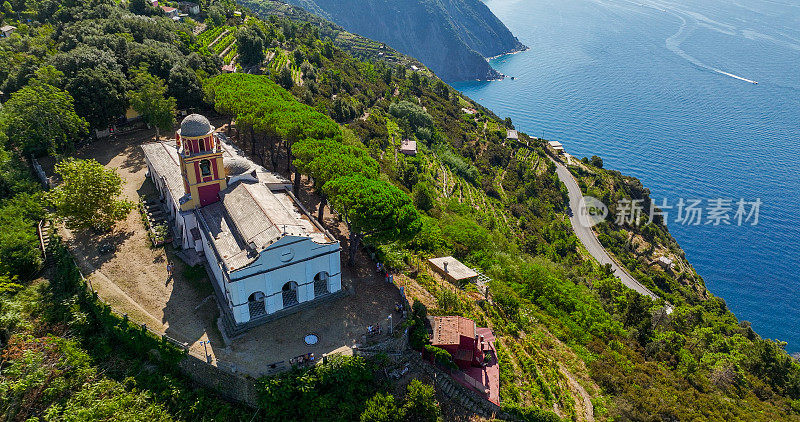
[440, 356]
[381, 408]
[338, 390]
[421, 405]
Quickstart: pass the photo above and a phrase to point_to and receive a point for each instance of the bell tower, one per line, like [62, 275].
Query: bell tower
[201, 162]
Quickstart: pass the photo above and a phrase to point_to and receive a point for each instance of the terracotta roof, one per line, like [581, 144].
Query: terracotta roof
[447, 330]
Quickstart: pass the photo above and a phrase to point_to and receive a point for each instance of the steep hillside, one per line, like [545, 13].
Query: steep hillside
[452, 37]
[356, 45]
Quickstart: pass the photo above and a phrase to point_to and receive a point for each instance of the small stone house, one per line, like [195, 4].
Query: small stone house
[665, 263]
[189, 7]
[408, 147]
[453, 270]
[171, 12]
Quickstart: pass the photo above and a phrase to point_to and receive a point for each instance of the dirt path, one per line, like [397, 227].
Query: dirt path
[585, 404]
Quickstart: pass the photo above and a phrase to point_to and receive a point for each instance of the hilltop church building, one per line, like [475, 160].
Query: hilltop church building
[266, 253]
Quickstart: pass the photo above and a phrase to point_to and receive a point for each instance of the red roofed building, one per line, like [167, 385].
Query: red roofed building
[171, 12]
[459, 337]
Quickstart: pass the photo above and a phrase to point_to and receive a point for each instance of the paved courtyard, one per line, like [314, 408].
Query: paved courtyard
[338, 323]
[132, 277]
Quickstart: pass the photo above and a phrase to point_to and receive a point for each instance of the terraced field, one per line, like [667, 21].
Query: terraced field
[223, 43]
[280, 59]
[220, 40]
[210, 35]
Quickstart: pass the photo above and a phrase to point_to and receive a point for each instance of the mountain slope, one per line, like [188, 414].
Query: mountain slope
[451, 37]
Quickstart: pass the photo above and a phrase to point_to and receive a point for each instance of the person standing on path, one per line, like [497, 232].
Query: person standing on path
[170, 270]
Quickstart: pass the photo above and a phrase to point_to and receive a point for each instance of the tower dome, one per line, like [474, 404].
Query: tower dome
[237, 166]
[195, 125]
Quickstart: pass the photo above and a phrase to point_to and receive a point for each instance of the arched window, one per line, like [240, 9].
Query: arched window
[289, 293]
[321, 284]
[255, 304]
[205, 168]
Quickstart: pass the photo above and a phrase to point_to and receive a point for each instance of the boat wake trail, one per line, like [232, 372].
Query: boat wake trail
[673, 43]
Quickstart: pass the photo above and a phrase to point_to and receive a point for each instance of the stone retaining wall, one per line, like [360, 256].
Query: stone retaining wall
[226, 384]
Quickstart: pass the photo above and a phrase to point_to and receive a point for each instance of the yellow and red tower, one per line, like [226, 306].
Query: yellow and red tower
[201, 162]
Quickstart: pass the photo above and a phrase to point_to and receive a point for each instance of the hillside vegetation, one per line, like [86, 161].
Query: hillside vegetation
[451, 37]
[570, 335]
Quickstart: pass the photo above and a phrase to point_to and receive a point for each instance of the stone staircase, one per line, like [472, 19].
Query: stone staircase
[155, 211]
[157, 216]
[45, 232]
[457, 392]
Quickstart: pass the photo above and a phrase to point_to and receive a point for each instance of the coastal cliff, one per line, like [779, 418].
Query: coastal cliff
[452, 37]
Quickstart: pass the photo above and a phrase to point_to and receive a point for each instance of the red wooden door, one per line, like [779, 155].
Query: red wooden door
[208, 194]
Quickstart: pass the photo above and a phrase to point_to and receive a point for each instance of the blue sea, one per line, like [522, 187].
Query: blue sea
[663, 91]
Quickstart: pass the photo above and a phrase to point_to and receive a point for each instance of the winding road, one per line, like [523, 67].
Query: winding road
[588, 238]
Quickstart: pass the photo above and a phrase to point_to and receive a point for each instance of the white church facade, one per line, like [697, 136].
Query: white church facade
[267, 254]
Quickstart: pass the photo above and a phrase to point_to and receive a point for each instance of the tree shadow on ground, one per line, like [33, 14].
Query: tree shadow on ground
[191, 310]
[99, 248]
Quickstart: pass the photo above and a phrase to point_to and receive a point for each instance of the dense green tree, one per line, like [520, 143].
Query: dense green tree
[48, 74]
[14, 173]
[89, 196]
[157, 56]
[19, 245]
[343, 110]
[208, 65]
[84, 57]
[371, 207]
[184, 85]
[424, 195]
[284, 78]
[336, 390]
[217, 15]
[251, 46]
[41, 118]
[415, 115]
[149, 99]
[421, 405]
[327, 159]
[381, 408]
[140, 7]
[265, 107]
[100, 95]
[109, 400]
[8, 11]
